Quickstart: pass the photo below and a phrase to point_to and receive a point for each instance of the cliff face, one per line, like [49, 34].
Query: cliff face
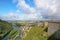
[53, 29]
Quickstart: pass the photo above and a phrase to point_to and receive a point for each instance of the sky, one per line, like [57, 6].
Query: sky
[29, 9]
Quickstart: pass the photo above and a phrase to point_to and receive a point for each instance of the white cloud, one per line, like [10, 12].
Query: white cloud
[29, 12]
[41, 3]
[49, 8]
[42, 9]
[14, 16]
[11, 14]
[25, 7]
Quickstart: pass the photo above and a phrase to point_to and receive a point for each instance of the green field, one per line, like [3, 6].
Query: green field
[36, 33]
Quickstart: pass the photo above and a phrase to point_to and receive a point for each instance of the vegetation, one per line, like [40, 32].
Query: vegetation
[18, 24]
[36, 33]
[5, 27]
[13, 34]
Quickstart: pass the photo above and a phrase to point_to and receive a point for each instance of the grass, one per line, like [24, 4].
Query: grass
[35, 33]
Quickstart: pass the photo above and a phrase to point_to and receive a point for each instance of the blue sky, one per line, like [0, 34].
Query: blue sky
[29, 9]
[7, 6]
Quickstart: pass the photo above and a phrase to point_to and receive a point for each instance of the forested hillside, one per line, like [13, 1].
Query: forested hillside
[5, 27]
